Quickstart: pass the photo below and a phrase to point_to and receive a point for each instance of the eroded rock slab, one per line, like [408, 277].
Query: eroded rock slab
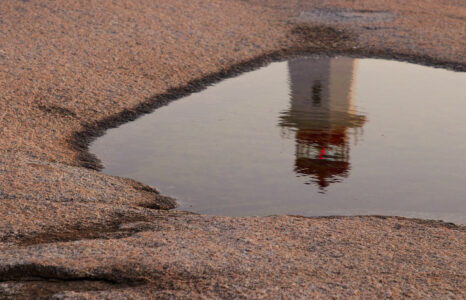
[70, 70]
[272, 257]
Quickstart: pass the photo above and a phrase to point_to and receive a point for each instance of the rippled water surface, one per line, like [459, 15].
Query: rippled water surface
[309, 136]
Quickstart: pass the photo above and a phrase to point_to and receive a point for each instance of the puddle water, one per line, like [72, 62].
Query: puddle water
[310, 136]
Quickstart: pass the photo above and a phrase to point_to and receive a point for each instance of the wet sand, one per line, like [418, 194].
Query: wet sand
[70, 70]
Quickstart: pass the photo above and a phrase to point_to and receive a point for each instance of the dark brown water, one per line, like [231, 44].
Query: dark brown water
[310, 136]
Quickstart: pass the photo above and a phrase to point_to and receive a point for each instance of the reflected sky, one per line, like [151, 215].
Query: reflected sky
[310, 136]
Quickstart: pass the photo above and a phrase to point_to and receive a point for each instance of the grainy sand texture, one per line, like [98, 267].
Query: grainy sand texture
[71, 69]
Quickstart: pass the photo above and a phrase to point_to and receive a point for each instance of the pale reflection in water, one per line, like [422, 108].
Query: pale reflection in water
[310, 136]
[320, 117]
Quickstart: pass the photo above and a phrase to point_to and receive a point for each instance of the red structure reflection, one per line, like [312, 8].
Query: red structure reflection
[321, 116]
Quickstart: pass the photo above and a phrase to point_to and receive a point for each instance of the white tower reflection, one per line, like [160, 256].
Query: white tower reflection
[320, 117]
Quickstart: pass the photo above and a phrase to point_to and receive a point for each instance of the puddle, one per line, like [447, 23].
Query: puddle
[309, 136]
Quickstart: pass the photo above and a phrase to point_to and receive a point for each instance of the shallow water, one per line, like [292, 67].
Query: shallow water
[310, 136]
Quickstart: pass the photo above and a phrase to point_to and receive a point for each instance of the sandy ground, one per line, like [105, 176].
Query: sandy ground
[71, 69]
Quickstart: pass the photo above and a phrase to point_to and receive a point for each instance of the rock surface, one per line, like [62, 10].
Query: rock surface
[71, 69]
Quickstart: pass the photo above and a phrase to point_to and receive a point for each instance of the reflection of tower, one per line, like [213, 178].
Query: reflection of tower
[320, 115]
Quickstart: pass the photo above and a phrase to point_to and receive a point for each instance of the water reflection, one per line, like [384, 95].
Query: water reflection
[321, 116]
[288, 139]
